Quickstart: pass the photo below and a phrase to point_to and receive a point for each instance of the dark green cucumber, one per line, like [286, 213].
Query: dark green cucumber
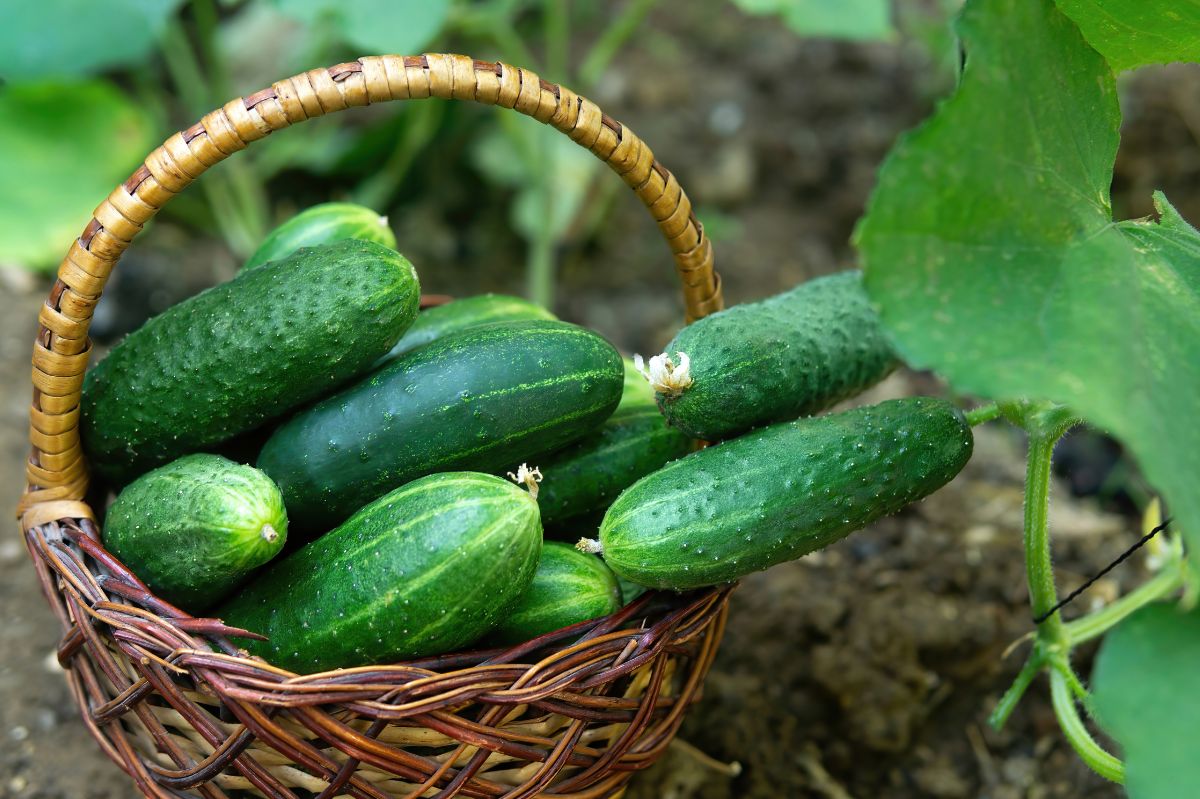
[425, 569]
[568, 587]
[586, 476]
[242, 353]
[193, 529]
[629, 589]
[481, 399]
[322, 224]
[790, 355]
[434, 323]
[781, 492]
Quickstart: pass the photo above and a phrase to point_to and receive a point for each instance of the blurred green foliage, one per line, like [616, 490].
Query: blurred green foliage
[50, 192]
[144, 68]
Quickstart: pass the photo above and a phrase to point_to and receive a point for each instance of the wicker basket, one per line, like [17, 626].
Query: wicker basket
[184, 712]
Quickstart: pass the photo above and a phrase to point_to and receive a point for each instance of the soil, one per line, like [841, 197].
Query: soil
[866, 670]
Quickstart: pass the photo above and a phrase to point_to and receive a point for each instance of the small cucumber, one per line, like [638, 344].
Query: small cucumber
[322, 224]
[193, 529]
[587, 475]
[250, 350]
[426, 569]
[781, 492]
[482, 398]
[790, 355]
[568, 587]
[434, 323]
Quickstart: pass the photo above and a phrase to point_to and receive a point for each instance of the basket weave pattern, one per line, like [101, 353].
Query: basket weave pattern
[169, 697]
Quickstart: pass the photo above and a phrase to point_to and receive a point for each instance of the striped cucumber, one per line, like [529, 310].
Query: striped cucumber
[322, 224]
[482, 398]
[434, 323]
[245, 352]
[568, 587]
[194, 529]
[790, 355]
[586, 476]
[425, 569]
[781, 492]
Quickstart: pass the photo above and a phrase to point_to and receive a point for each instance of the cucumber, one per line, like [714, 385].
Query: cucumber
[426, 569]
[225, 361]
[193, 529]
[788, 356]
[568, 587]
[434, 323]
[781, 492]
[479, 399]
[322, 224]
[629, 589]
[586, 476]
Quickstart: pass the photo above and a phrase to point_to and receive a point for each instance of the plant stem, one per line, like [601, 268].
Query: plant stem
[1008, 703]
[612, 40]
[984, 413]
[556, 31]
[421, 124]
[1038, 565]
[1090, 752]
[1093, 625]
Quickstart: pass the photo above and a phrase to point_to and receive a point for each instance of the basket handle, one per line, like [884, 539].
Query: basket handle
[56, 474]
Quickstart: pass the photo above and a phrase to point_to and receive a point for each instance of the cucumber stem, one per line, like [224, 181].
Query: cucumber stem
[984, 413]
[269, 534]
[590, 546]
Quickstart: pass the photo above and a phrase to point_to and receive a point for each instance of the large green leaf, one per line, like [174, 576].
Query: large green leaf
[375, 26]
[1146, 693]
[990, 248]
[65, 145]
[41, 39]
[1130, 33]
[862, 20]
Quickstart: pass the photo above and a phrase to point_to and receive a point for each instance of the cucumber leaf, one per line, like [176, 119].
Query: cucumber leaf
[858, 20]
[65, 145]
[1132, 33]
[59, 38]
[990, 248]
[376, 27]
[1146, 693]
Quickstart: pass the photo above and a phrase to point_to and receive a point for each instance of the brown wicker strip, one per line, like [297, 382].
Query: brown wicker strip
[183, 711]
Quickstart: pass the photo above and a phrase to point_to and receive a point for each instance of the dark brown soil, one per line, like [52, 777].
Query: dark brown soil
[863, 671]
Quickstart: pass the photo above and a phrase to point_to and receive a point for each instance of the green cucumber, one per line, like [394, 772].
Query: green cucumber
[793, 354]
[434, 323]
[781, 492]
[568, 587]
[425, 569]
[245, 352]
[193, 529]
[629, 589]
[322, 224]
[586, 476]
[482, 399]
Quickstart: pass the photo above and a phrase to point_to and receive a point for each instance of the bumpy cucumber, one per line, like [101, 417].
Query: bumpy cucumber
[587, 475]
[781, 492]
[193, 529]
[322, 224]
[568, 587]
[242, 353]
[793, 354]
[482, 398]
[425, 569]
[434, 323]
